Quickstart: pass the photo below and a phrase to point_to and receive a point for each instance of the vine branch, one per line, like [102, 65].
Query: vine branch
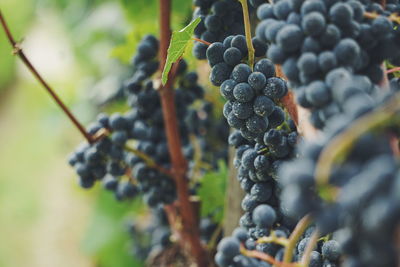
[190, 230]
[17, 50]
[148, 160]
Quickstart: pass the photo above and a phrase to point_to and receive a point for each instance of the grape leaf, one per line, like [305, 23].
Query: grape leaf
[212, 192]
[179, 42]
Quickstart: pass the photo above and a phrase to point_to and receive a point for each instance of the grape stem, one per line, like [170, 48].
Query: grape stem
[201, 41]
[265, 257]
[189, 232]
[393, 17]
[295, 237]
[104, 132]
[247, 28]
[393, 70]
[17, 50]
[148, 160]
[273, 239]
[305, 260]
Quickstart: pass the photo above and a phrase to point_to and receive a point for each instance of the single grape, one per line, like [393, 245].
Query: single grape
[232, 56]
[257, 124]
[289, 38]
[240, 234]
[118, 122]
[347, 51]
[313, 23]
[310, 6]
[248, 158]
[266, 67]
[261, 192]
[327, 61]
[276, 54]
[265, 11]
[241, 73]
[234, 121]
[226, 89]
[239, 41]
[229, 246]
[213, 23]
[259, 46]
[215, 53]
[199, 50]
[257, 81]
[311, 44]
[264, 216]
[341, 14]
[220, 73]
[243, 92]
[308, 63]
[330, 37]
[272, 30]
[318, 94]
[275, 88]
[331, 250]
[242, 110]
[263, 106]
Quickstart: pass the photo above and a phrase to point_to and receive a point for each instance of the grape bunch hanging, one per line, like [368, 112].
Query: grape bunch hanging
[306, 95]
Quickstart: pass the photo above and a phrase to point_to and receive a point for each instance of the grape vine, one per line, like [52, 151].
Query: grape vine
[320, 195]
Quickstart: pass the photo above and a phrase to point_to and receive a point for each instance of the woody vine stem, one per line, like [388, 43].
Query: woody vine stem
[190, 229]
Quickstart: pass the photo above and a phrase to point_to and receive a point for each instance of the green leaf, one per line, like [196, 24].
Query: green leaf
[179, 42]
[212, 191]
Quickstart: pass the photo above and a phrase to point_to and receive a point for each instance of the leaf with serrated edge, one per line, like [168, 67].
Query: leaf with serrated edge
[177, 47]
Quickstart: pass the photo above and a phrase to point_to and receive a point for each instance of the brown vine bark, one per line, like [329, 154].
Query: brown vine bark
[189, 231]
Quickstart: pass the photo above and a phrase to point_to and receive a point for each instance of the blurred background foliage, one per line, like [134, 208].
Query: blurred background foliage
[83, 49]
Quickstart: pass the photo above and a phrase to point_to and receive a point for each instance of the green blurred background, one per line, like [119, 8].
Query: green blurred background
[82, 48]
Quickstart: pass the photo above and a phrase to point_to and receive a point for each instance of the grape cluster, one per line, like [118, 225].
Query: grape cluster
[364, 215]
[124, 171]
[219, 19]
[264, 138]
[327, 253]
[313, 38]
[250, 95]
